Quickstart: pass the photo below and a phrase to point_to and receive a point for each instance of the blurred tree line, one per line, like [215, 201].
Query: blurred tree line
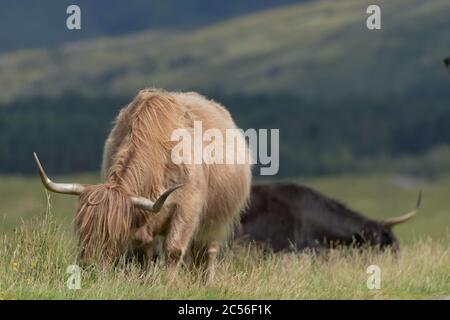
[319, 137]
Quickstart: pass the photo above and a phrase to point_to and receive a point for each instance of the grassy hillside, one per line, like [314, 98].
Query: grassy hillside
[42, 24]
[34, 258]
[319, 49]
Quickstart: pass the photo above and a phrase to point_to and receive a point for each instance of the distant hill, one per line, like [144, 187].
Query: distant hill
[31, 23]
[317, 50]
[345, 98]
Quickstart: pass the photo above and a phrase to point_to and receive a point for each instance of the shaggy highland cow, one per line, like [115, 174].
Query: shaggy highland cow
[205, 200]
[288, 216]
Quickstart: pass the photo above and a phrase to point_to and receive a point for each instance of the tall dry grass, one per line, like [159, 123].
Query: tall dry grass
[34, 259]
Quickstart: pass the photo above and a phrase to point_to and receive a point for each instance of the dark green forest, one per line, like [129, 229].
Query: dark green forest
[321, 138]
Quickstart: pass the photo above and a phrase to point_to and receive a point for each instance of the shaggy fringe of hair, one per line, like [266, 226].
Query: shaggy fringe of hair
[104, 219]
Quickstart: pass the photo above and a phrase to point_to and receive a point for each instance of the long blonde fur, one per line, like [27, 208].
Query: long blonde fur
[137, 161]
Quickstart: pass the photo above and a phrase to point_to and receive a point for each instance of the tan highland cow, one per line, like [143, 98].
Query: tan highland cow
[145, 194]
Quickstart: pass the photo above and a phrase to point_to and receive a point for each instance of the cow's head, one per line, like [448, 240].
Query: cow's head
[379, 233]
[107, 215]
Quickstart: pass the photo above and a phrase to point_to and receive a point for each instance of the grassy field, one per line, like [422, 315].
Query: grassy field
[37, 246]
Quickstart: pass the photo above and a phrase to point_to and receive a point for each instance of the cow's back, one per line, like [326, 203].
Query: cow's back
[278, 215]
[290, 216]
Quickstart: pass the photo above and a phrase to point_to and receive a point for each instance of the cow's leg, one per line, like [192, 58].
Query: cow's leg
[204, 257]
[213, 250]
[177, 240]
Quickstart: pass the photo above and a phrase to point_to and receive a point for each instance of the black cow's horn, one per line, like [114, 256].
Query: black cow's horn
[389, 223]
[66, 188]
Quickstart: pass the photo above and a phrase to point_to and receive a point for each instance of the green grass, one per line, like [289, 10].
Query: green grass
[37, 246]
[375, 195]
[305, 48]
[33, 265]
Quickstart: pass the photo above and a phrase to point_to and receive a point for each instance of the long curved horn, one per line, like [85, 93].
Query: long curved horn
[389, 223]
[66, 188]
[146, 204]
